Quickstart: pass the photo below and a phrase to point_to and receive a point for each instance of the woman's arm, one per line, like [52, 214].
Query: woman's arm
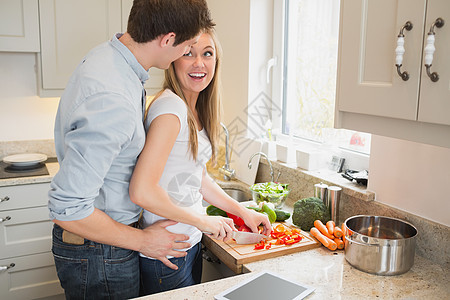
[214, 195]
[146, 192]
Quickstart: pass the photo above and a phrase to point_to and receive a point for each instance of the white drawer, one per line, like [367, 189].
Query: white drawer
[24, 196]
[27, 231]
[33, 276]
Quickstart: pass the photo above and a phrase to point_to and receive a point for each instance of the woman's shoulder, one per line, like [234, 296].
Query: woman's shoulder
[168, 100]
[167, 103]
[169, 95]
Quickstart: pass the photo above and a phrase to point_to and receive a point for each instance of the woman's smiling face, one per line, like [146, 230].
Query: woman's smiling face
[195, 69]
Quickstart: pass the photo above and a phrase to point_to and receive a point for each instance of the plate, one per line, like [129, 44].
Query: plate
[24, 160]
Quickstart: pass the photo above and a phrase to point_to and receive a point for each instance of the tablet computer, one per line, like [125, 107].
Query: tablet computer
[266, 285]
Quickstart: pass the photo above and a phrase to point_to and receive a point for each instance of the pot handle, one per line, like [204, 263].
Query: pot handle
[348, 237]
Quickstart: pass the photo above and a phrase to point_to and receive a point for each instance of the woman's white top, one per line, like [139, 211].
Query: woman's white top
[182, 175]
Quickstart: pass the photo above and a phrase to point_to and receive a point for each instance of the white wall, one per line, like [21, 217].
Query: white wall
[23, 115]
[232, 18]
[411, 176]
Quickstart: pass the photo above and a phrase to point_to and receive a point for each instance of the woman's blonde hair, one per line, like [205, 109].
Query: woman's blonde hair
[209, 106]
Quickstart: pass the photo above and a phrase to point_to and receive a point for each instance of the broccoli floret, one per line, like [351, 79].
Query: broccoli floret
[307, 210]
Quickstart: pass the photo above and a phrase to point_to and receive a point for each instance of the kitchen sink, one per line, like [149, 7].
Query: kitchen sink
[237, 194]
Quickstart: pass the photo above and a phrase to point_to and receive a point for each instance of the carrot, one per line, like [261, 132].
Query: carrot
[319, 225]
[338, 232]
[323, 239]
[330, 226]
[330, 244]
[343, 235]
[339, 243]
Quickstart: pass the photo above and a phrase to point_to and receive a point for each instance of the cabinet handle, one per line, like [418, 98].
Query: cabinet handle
[429, 49]
[6, 198]
[400, 50]
[3, 268]
[5, 219]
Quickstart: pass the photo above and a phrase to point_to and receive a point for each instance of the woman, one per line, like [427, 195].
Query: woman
[170, 179]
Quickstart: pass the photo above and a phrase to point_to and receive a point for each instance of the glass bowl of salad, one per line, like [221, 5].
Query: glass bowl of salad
[271, 192]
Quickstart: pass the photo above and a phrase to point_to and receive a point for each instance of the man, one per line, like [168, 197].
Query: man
[98, 135]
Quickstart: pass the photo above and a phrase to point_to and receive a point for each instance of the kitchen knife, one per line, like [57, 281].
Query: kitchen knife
[243, 237]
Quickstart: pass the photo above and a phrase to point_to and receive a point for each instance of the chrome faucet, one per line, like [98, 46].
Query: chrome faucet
[261, 154]
[226, 170]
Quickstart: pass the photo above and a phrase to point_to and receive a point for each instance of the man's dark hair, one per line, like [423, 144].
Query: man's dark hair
[151, 18]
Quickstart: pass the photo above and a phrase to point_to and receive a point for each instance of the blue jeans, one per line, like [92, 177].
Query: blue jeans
[94, 270]
[156, 277]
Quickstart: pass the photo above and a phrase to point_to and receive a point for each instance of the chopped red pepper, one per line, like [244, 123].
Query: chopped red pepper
[260, 245]
[282, 236]
[285, 236]
[279, 228]
[290, 242]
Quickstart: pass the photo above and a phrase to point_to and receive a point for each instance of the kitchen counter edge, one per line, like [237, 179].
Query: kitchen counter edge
[52, 168]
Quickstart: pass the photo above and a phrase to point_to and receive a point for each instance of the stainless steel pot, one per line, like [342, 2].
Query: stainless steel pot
[379, 245]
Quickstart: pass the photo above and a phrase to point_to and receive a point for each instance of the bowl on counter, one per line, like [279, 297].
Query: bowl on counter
[275, 193]
[379, 245]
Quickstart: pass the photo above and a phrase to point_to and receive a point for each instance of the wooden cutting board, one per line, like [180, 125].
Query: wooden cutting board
[234, 255]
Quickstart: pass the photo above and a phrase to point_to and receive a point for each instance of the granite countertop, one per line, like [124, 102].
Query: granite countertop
[52, 168]
[333, 278]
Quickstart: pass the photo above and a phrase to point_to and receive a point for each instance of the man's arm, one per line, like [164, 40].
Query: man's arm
[91, 138]
[154, 241]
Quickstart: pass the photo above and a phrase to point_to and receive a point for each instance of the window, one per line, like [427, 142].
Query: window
[305, 79]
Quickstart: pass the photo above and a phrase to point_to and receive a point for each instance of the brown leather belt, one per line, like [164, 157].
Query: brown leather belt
[74, 239]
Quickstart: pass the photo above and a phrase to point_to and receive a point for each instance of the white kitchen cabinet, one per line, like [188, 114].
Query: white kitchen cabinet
[19, 26]
[27, 269]
[33, 276]
[371, 96]
[156, 79]
[70, 29]
[126, 8]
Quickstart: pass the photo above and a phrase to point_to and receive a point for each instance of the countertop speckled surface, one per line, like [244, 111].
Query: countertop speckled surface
[52, 170]
[333, 278]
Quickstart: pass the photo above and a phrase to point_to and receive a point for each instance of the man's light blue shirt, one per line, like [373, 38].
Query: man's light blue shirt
[99, 133]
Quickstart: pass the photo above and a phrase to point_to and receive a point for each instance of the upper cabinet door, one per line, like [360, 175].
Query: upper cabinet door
[69, 29]
[368, 80]
[19, 26]
[372, 96]
[434, 101]
[156, 76]
[126, 8]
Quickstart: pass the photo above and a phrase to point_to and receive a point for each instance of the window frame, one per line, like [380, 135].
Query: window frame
[354, 160]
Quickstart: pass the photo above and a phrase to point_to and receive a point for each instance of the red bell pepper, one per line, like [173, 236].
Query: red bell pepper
[244, 228]
[237, 220]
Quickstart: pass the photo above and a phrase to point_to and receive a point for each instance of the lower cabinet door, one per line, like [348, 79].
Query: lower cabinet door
[29, 277]
[25, 231]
